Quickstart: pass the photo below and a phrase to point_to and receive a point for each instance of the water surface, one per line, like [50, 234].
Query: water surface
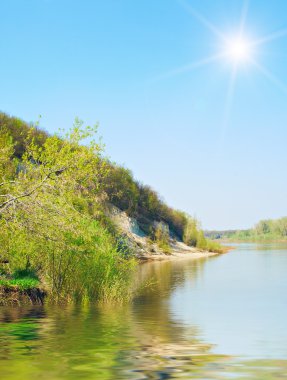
[223, 317]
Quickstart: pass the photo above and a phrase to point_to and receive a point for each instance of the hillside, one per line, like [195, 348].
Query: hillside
[129, 195]
[60, 206]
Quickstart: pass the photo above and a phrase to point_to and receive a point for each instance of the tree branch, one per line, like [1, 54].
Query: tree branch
[12, 200]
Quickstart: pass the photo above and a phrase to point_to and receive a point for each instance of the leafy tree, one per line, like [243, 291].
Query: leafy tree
[263, 227]
[50, 217]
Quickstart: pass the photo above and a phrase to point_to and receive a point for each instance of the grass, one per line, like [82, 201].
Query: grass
[208, 245]
[20, 283]
[212, 246]
[165, 247]
[22, 279]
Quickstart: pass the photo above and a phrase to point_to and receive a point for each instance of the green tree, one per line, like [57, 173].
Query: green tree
[50, 217]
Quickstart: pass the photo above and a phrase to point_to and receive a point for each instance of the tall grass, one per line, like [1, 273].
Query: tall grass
[207, 244]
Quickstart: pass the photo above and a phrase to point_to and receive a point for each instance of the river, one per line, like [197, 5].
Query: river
[223, 317]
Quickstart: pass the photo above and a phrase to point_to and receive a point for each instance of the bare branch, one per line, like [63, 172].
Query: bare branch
[12, 200]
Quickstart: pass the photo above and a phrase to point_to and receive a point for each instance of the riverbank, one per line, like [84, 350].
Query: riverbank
[179, 251]
[13, 295]
[16, 295]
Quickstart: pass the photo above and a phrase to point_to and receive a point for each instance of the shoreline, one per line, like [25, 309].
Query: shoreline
[13, 295]
[180, 251]
[177, 256]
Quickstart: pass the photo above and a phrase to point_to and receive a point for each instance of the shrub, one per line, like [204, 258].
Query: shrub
[160, 235]
[201, 241]
[190, 236]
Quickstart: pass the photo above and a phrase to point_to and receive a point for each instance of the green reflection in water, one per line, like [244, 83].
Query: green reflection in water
[137, 341]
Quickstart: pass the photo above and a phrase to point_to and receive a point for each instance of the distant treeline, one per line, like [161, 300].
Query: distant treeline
[268, 229]
[219, 234]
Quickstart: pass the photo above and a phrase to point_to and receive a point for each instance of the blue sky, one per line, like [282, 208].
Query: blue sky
[117, 62]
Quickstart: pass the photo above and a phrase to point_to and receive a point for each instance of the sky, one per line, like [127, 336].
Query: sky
[208, 134]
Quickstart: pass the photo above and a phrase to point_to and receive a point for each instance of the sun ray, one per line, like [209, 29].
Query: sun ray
[191, 66]
[243, 18]
[270, 37]
[269, 75]
[202, 19]
[238, 48]
[228, 104]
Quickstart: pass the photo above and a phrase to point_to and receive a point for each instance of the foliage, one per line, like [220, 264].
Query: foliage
[50, 209]
[122, 190]
[20, 283]
[191, 231]
[19, 132]
[213, 246]
[201, 240]
[141, 201]
[52, 222]
[265, 230]
[161, 236]
[194, 236]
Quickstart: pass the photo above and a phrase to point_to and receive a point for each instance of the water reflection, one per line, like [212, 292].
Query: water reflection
[150, 339]
[97, 343]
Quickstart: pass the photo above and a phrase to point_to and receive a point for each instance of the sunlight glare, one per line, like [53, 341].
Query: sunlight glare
[238, 50]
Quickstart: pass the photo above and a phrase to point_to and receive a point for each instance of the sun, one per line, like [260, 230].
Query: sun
[238, 50]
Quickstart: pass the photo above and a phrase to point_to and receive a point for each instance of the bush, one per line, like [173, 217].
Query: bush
[201, 241]
[161, 237]
[212, 246]
[190, 235]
